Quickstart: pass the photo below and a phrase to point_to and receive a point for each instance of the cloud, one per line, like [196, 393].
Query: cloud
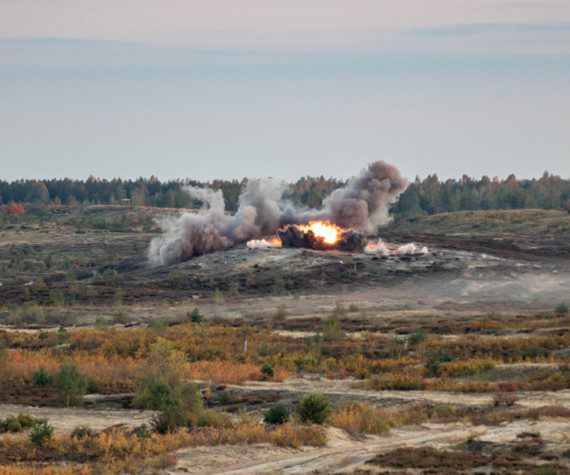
[470, 29]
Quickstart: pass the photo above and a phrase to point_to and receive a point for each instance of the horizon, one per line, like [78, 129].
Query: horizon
[327, 177]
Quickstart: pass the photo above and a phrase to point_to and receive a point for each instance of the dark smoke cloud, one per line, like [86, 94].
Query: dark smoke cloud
[361, 205]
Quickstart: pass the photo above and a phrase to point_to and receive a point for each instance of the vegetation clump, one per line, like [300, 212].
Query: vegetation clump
[17, 423]
[70, 383]
[277, 414]
[41, 432]
[314, 408]
[41, 378]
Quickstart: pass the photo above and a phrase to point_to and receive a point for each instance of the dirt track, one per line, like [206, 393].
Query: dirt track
[65, 419]
[344, 453]
[342, 389]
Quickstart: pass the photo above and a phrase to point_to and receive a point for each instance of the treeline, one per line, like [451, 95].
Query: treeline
[431, 196]
[427, 196]
[148, 192]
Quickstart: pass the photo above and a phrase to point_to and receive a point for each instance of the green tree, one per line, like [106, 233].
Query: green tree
[70, 383]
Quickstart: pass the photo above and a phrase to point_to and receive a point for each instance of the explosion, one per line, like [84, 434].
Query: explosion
[263, 243]
[321, 235]
[323, 230]
[360, 207]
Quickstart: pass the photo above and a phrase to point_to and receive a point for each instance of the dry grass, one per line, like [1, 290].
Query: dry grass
[118, 451]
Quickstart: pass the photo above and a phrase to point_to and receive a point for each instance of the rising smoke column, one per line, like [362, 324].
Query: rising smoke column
[362, 205]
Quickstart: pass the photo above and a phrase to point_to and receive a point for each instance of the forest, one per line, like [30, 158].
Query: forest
[423, 196]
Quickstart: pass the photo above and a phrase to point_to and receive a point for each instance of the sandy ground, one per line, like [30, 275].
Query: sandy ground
[343, 389]
[344, 453]
[65, 419]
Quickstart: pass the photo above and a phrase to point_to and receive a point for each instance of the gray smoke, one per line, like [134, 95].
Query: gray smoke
[361, 205]
[212, 230]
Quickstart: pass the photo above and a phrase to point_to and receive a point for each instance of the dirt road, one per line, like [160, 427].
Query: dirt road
[342, 389]
[65, 419]
[344, 453]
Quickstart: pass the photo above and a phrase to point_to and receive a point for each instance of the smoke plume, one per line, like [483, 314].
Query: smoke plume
[361, 205]
[212, 230]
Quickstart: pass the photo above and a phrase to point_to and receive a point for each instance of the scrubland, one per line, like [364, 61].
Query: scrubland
[407, 374]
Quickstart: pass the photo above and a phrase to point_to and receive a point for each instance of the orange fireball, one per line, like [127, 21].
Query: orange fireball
[330, 233]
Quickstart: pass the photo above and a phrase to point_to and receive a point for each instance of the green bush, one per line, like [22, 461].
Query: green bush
[41, 378]
[25, 420]
[434, 360]
[195, 316]
[142, 431]
[70, 383]
[41, 432]
[267, 371]
[16, 424]
[332, 329]
[278, 414]
[314, 408]
[10, 424]
[153, 394]
[417, 337]
[179, 405]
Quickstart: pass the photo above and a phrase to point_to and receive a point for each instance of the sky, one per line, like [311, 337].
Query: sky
[284, 88]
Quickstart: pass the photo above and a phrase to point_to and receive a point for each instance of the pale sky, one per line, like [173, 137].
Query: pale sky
[285, 88]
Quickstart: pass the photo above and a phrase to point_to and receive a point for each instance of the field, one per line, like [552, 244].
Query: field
[285, 360]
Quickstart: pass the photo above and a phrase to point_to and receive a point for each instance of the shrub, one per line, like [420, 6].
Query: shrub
[561, 309]
[160, 463]
[434, 361]
[41, 378]
[142, 431]
[41, 432]
[361, 417]
[533, 351]
[81, 431]
[179, 405]
[165, 422]
[353, 307]
[291, 435]
[281, 313]
[314, 408]
[195, 316]
[234, 289]
[70, 383]
[120, 317]
[461, 369]
[17, 424]
[416, 338]
[504, 399]
[332, 329]
[153, 394]
[25, 420]
[211, 418]
[404, 381]
[278, 414]
[100, 322]
[267, 371]
[339, 310]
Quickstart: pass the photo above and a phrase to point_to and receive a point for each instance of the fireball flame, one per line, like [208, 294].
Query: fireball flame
[330, 233]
